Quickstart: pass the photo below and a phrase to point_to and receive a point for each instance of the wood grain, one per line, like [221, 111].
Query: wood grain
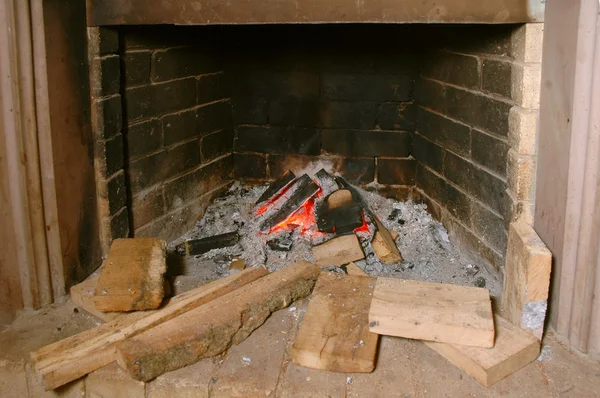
[338, 251]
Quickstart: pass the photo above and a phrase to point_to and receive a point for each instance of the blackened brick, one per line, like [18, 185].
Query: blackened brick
[431, 95]
[197, 183]
[249, 165]
[432, 184]
[478, 110]
[446, 132]
[367, 87]
[428, 153]
[109, 117]
[478, 39]
[279, 164]
[250, 111]
[159, 99]
[146, 207]
[212, 87]
[114, 154]
[356, 170]
[143, 138]
[452, 68]
[156, 168]
[180, 126]
[278, 139]
[497, 77]
[216, 116]
[457, 203]
[396, 171]
[108, 41]
[216, 144]
[367, 143]
[294, 83]
[110, 82]
[119, 224]
[117, 193]
[349, 115]
[293, 111]
[489, 152]
[136, 68]
[476, 181]
[397, 116]
[183, 62]
[490, 227]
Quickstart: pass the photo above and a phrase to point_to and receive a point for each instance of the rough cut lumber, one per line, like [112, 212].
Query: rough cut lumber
[194, 247]
[384, 246]
[212, 328]
[526, 279]
[71, 358]
[132, 278]
[514, 349]
[353, 269]
[338, 251]
[335, 333]
[82, 296]
[432, 311]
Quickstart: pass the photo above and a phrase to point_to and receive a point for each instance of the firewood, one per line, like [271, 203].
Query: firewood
[384, 246]
[194, 247]
[326, 181]
[353, 269]
[212, 328]
[73, 357]
[341, 220]
[132, 278]
[339, 198]
[338, 251]
[277, 186]
[82, 295]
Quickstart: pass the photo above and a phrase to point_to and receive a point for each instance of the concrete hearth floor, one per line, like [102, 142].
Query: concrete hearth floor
[261, 366]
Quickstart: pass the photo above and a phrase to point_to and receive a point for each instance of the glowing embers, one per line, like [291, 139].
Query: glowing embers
[302, 219]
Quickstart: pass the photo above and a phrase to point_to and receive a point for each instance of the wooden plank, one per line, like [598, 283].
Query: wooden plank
[133, 276]
[432, 311]
[71, 358]
[353, 269]
[514, 349]
[338, 251]
[212, 328]
[82, 295]
[384, 246]
[335, 333]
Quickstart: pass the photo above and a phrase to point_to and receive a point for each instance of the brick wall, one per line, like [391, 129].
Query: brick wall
[336, 93]
[178, 132]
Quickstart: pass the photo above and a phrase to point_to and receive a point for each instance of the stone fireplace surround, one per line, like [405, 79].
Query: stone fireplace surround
[440, 113]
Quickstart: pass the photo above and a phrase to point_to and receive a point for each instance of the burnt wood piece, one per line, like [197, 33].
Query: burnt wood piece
[369, 217]
[326, 181]
[277, 186]
[282, 244]
[201, 246]
[304, 189]
[339, 220]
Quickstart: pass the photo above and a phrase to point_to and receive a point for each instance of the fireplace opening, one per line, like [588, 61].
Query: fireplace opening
[418, 113]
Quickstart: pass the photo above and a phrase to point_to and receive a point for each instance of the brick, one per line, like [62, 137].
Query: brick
[159, 99]
[136, 68]
[117, 193]
[187, 382]
[430, 94]
[119, 224]
[147, 206]
[298, 381]
[396, 171]
[183, 62]
[108, 40]
[216, 144]
[114, 154]
[394, 116]
[367, 87]
[250, 111]
[278, 139]
[294, 83]
[521, 175]
[527, 42]
[489, 152]
[497, 77]
[143, 138]
[478, 39]
[109, 117]
[428, 153]
[356, 170]
[112, 381]
[293, 111]
[160, 166]
[459, 69]
[350, 115]
[482, 185]
[215, 116]
[522, 131]
[478, 110]
[212, 88]
[526, 83]
[367, 143]
[249, 165]
[432, 184]
[489, 226]
[446, 132]
[457, 203]
[108, 71]
[13, 382]
[180, 126]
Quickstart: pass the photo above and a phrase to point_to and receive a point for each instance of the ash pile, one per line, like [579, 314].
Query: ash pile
[323, 219]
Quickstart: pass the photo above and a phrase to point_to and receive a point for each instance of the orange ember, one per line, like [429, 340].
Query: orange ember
[364, 227]
[302, 218]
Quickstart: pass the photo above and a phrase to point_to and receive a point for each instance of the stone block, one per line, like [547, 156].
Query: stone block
[527, 43]
[521, 175]
[360, 143]
[496, 77]
[526, 81]
[367, 87]
[159, 99]
[428, 153]
[113, 382]
[278, 139]
[522, 131]
[446, 132]
[216, 144]
[147, 206]
[181, 62]
[249, 165]
[458, 69]
[397, 116]
[136, 68]
[489, 151]
[143, 138]
[396, 171]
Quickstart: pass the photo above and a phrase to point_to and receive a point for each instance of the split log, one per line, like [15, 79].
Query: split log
[342, 197]
[195, 247]
[341, 220]
[338, 251]
[353, 269]
[335, 335]
[212, 328]
[432, 311]
[277, 186]
[384, 246]
[133, 276]
[513, 349]
[73, 357]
